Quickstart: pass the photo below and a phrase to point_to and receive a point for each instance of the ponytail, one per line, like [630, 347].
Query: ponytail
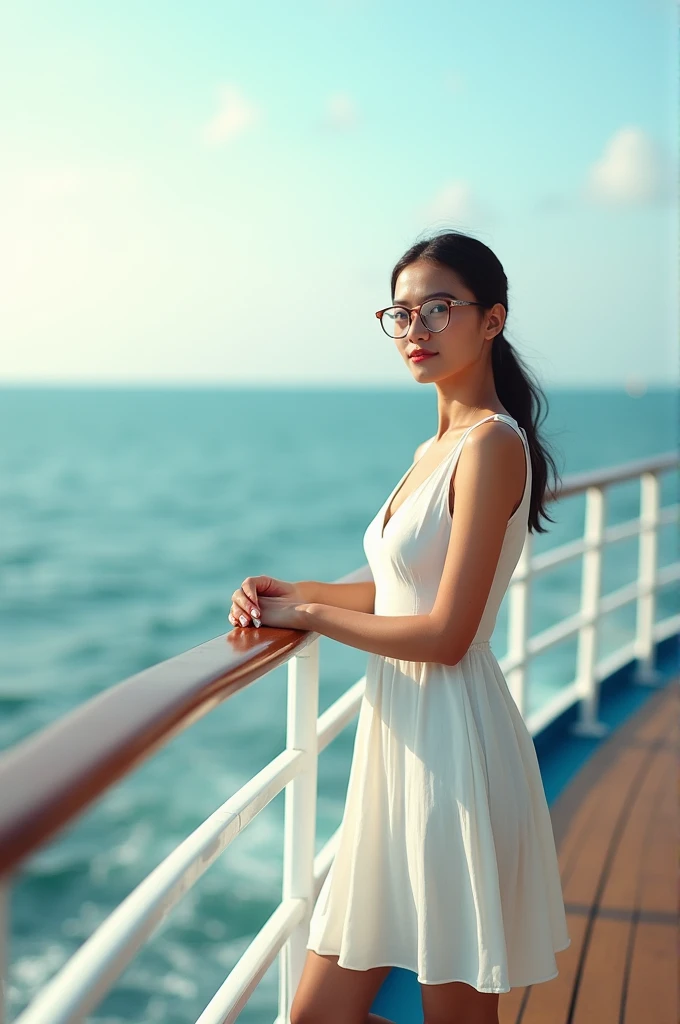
[517, 388]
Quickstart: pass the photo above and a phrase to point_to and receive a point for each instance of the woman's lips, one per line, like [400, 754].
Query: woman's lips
[418, 357]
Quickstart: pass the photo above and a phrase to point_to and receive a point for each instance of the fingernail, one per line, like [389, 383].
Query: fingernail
[255, 612]
[243, 619]
[256, 622]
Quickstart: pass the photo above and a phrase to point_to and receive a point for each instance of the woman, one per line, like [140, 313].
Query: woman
[446, 863]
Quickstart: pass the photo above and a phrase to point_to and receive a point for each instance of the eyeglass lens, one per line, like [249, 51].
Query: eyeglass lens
[434, 314]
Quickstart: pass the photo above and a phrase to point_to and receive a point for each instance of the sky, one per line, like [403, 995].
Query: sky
[186, 188]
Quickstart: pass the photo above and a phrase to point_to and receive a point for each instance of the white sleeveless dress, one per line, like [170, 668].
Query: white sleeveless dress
[446, 863]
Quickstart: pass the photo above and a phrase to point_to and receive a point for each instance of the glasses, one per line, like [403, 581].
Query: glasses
[435, 315]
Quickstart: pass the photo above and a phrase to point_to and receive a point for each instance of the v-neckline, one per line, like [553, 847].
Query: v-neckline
[400, 483]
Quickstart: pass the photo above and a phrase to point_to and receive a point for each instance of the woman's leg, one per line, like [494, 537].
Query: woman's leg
[329, 994]
[456, 1002]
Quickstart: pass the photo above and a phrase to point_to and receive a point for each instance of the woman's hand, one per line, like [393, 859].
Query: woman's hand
[265, 594]
[284, 612]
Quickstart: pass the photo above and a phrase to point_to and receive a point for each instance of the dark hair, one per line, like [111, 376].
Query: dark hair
[481, 271]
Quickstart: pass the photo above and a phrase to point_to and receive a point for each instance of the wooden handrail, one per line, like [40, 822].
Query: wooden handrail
[52, 776]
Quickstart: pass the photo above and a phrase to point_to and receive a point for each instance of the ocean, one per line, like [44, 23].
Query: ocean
[129, 516]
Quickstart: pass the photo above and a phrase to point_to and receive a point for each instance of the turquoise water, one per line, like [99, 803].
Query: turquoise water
[128, 519]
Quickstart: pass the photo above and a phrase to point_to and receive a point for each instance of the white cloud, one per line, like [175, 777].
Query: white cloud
[341, 111]
[632, 170]
[235, 115]
[457, 202]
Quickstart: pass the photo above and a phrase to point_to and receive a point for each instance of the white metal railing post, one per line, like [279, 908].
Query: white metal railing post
[300, 815]
[645, 672]
[518, 627]
[4, 950]
[591, 587]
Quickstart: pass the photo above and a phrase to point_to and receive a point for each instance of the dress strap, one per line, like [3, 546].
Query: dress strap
[505, 419]
[498, 416]
[494, 416]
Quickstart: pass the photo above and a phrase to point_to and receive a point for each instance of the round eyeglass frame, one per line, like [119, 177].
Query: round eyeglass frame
[416, 309]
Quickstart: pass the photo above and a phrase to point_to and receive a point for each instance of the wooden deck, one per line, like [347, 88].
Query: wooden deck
[617, 835]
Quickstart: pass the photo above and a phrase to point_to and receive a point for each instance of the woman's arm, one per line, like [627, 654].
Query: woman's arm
[358, 597]
[490, 470]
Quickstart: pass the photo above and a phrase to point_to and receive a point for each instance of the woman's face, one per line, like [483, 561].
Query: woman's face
[469, 332]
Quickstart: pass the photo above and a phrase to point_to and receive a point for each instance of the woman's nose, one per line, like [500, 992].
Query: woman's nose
[416, 328]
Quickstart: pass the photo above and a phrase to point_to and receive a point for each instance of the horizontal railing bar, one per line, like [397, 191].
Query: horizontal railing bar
[576, 483]
[50, 778]
[240, 983]
[613, 662]
[669, 514]
[554, 634]
[617, 598]
[669, 574]
[87, 976]
[247, 973]
[553, 707]
[570, 694]
[575, 548]
[622, 531]
[555, 556]
[667, 627]
[566, 627]
[631, 527]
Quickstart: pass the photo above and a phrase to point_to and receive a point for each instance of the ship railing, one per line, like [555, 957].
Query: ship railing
[52, 777]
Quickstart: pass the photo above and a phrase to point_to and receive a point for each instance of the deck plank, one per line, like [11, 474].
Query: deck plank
[579, 805]
[652, 988]
[616, 832]
[601, 992]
